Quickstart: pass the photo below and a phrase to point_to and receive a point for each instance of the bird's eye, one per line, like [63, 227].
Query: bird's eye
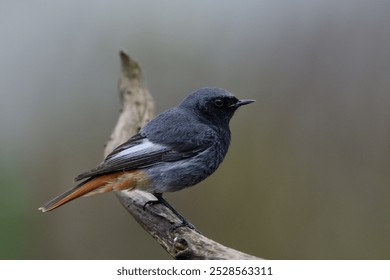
[218, 102]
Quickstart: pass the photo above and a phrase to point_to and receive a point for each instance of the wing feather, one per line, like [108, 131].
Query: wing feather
[139, 152]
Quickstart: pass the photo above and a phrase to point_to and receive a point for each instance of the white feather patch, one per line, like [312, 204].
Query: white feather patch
[144, 147]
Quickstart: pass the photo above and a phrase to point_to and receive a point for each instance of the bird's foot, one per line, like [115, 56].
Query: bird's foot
[161, 200]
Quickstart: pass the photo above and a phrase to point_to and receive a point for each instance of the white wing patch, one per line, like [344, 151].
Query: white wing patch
[144, 147]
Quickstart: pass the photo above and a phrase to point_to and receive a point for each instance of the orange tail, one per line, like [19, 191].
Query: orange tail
[110, 182]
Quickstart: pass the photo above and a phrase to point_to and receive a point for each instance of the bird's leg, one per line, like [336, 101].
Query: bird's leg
[161, 200]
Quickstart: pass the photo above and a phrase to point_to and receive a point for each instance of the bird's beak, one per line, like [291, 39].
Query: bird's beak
[243, 102]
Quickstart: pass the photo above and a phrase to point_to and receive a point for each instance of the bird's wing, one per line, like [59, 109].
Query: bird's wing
[140, 152]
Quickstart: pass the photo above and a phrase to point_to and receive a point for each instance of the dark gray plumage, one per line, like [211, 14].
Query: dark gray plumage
[177, 149]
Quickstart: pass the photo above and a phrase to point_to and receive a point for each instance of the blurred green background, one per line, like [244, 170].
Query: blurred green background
[307, 175]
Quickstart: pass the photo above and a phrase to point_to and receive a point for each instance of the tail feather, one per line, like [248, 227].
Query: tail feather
[104, 183]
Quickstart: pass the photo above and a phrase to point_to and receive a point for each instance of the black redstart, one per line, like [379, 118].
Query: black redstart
[179, 148]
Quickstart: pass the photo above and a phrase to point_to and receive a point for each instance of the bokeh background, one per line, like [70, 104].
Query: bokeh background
[307, 175]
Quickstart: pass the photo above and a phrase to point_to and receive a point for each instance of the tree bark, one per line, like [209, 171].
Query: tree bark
[183, 242]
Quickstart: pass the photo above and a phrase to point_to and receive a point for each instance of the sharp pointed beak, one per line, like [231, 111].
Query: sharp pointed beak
[243, 102]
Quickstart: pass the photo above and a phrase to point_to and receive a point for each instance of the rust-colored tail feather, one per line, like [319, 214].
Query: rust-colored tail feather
[101, 184]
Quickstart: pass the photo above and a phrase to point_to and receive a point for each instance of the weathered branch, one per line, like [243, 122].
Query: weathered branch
[157, 220]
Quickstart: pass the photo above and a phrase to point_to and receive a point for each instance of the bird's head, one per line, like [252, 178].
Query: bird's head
[215, 105]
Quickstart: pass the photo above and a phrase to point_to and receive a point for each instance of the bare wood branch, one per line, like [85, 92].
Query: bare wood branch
[157, 220]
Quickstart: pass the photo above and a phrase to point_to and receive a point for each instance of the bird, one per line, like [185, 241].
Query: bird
[177, 149]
